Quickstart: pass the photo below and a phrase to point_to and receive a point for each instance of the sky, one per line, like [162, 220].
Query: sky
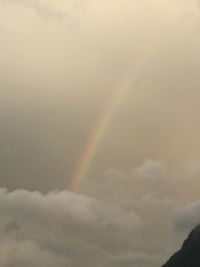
[61, 61]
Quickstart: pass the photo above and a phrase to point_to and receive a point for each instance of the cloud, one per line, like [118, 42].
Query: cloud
[134, 259]
[54, 82]
[58, 77]
[165, 200]
[66, 229]
[61, 226]
[188, 217]
[123, 219]
[25, 253]
[42, 8]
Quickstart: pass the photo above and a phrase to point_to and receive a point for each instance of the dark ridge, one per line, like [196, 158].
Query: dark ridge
[189, 254]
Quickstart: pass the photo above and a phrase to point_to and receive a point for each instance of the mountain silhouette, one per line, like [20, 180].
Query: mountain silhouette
[189, 254]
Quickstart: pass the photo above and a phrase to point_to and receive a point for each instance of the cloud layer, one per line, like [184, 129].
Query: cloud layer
[122, 219]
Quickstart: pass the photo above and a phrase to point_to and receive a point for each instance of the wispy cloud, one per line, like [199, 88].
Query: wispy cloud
[41, 8]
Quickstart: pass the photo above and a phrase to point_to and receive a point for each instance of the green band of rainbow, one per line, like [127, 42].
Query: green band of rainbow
[99, 131]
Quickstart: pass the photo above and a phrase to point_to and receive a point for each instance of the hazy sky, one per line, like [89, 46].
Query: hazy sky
[60, 61]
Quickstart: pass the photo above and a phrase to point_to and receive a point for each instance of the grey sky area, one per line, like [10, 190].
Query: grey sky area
[60, 61]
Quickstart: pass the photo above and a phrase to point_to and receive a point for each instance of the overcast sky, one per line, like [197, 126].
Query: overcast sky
[60, 61]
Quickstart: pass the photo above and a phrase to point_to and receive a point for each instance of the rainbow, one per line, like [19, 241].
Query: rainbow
[99, 131]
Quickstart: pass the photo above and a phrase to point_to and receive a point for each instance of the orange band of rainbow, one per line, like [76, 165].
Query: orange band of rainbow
[99, 131]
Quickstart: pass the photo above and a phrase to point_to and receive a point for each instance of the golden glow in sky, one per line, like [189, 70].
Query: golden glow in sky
[99, 131]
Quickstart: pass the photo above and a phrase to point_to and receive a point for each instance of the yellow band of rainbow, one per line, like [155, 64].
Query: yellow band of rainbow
[99, 131]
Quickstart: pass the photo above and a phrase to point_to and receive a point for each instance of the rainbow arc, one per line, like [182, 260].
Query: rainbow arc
[99, 131]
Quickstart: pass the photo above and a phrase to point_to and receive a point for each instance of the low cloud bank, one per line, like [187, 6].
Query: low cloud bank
[122, 219]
